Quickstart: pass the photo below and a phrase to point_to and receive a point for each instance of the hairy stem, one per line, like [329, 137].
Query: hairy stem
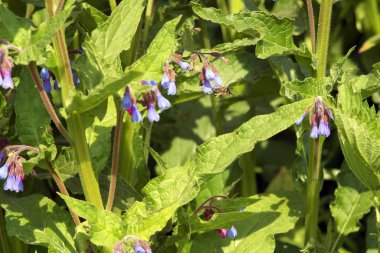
[310, 13]
[62, 188]
[225, 31]
[324, 24]
[59, 6]
[115, 159]
[148, 20]
[46, 101]
[313, 188]
[113, 4]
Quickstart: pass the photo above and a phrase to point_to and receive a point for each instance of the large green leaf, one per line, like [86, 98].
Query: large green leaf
[179, 185]
[275, 33]
[32, 119]
[149, 66]
[352, 201]
[38, 220]
[256, 226]
[359, 136]
[310, 87]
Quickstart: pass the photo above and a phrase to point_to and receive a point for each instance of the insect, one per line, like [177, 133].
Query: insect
[221, 91]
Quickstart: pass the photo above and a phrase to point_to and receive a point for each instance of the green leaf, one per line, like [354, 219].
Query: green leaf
[112, 37]
[149, 66]
[336, 70]
[359, 136]
[32, 119]
[90, 17]
[275, 33]
[179, 185]
[352, 201]
[38, 220]
[34, 45]
[268, 216]
[310, 87]
[11, 25]
[106, 227]
[233, 46]
[366, 85]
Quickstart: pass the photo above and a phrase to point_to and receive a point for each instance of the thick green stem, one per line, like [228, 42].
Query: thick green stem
[148, 20]
[76, 130]
[113, 4]
[225, 31]
[115, 159]
[377, 213]
[313, 188]
[86, 172]
[127, 159]
[324, 24]
[3, 234]
[310, 13]
[373, 15]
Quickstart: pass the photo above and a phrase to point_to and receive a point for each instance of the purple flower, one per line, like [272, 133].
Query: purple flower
[222, 232]
[56, 86]
[149, 82]
[14, 183]
[299, 121]
[324, 128]
[165, 81]
[218, 81]
[75, 78]
[314, 131]
[44, 74]
[136, 115]
[232, 233]
[209, 75]
[126, 103]
[172, 89]
[4, 171]
[184, 65]
[162, 102]
[7, 81]
[207, 88]
[138, 249]
[47, 85]
[152, 113]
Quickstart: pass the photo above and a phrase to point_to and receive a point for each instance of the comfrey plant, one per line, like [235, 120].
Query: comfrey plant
[98, 137]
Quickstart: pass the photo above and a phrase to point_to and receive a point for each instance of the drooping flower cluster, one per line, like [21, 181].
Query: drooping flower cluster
[208, 213]
[139, 246]
[319, 119]
[6, 65]
[149, 101]
[12, 170]
[209, 78]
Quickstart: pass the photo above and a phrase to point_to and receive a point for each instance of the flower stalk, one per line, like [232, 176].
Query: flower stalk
[115, 159]
[310, 13]
[46, 101]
